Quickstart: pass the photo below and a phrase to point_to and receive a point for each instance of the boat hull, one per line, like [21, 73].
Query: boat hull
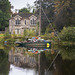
[35, 44]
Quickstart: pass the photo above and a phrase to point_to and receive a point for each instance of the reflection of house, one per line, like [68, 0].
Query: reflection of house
[19, 59]
[19, 22]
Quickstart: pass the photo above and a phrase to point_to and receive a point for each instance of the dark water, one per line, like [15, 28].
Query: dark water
[37, 61]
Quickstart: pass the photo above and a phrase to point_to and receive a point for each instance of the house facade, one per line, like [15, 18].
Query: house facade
[19, 22]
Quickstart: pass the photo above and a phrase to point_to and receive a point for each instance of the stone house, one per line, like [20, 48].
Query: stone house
[19, 22]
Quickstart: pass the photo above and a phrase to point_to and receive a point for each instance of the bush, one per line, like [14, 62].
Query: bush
[68, 34]
[10, 40]
[29, 33]
[7, 35]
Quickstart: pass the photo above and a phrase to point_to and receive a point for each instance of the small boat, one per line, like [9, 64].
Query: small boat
[35, 43]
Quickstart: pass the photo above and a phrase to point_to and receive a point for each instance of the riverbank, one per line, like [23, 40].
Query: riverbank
[12, 38]
[65, 43]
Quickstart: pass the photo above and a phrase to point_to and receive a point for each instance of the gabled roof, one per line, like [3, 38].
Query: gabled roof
[24, 15]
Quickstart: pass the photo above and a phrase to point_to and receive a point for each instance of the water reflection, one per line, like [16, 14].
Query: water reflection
[21, 71]
[37, 61]
[21, 57]
[31, 58]
[4, 64]
[68, 52]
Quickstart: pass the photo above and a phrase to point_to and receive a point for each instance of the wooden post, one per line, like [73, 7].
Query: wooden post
[40, 19]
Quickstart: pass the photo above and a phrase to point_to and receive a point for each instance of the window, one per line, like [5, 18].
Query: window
[25, 22]
[18, 21]
[32, 22]
[17, 31]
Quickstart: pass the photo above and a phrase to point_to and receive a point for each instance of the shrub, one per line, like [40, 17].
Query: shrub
[29, 33]
[7, 35]
[68, 34]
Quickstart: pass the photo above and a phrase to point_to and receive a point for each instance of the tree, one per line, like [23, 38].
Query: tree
[47, 7]
[64, 16]
[68, 34]
[49, 29]
[24, 10]
[4, 13]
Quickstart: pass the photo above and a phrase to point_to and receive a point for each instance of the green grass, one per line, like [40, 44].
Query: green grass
[1, 35]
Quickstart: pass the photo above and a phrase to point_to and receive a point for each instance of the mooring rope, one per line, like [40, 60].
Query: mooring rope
[53, 60]
[49, 22]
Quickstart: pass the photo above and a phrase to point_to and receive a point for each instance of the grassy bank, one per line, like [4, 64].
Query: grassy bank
[1, 37]
[12, 38]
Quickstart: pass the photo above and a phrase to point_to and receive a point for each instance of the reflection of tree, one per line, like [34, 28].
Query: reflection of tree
[4, 65]
[68, 52]
[46, 59]
[64, 67]
[60, 66]
[5, 48]
[65, 62]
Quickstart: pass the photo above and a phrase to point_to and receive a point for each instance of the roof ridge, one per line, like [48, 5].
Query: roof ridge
[23, 15]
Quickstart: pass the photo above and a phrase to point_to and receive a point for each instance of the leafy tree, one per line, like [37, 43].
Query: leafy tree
[4, 13]
[49, 29]
[24, 10]
[64, 16]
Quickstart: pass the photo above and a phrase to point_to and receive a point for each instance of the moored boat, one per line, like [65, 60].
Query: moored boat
[36, 43]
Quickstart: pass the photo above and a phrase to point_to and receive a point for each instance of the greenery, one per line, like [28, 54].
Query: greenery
[59, 12]
[29, 32]
[48, 8]
[67, 52]
[68, 34]
[27, 9]
[24, 10]
[4, 69]
[64, 13]
[7, 35]
[4, 13]
[1, 35]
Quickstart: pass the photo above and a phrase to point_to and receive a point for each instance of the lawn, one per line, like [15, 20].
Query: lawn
[1, 35]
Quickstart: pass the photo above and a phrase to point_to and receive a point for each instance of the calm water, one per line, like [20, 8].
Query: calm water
[37, 61]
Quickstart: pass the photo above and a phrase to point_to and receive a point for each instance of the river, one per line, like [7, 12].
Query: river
[59, 60]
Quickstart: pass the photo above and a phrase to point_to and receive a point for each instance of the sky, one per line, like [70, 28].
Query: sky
[18, 4]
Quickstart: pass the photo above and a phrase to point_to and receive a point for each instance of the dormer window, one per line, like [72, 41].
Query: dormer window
[17, 21]
[25, 22]
[32, 22]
